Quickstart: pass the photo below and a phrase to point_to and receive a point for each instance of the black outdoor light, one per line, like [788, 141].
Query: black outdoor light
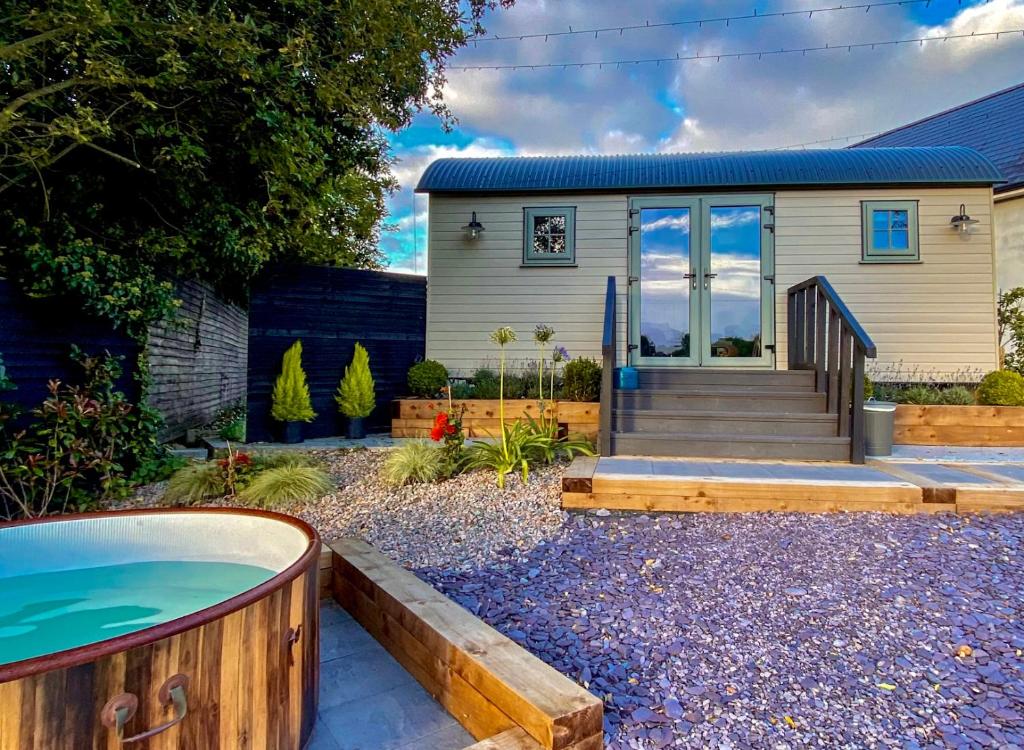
[962, 222]
[473, 228]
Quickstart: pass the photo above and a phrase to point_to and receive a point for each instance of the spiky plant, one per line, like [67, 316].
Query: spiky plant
[195, 483]
[416, 462]
[291, 401]
[284, 485]
[356, 397]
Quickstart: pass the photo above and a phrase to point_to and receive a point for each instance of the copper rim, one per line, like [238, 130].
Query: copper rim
[91, 651]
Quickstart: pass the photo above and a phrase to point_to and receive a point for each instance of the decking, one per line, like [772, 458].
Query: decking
[695, 485]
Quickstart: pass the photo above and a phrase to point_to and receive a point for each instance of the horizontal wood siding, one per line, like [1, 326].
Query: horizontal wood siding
[197, 361]
[933, 319]
[331, 309]
[478, 286]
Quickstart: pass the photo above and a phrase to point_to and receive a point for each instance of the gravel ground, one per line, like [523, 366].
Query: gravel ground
[774, 631]
[458, 524]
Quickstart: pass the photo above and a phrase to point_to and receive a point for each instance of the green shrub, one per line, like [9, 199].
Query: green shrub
[356, 397]
[486, 384]
[518, 386]
[277, 459]
[957, 395]
[427, 378]
[416, 462]
[284, 485]
[462, 390]
[234, 431]
[869, 388]
[581, 380]
[1002, 388]
[291, 402]
[195, 483]
[158, 468]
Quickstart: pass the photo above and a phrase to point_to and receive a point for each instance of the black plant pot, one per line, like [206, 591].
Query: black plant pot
[291, 432]
[356, 429]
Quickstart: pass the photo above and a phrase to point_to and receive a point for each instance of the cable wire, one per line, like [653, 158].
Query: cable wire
[759, 54]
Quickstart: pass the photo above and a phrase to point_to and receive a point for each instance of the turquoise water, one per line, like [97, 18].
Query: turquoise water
[47, 612]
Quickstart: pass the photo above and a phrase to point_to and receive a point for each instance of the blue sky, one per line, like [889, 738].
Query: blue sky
[705, 105]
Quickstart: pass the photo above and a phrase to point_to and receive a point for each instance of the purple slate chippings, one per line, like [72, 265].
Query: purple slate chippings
[774, 630]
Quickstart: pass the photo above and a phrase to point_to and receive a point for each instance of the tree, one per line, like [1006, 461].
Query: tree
[1010, 321]
[141, 139]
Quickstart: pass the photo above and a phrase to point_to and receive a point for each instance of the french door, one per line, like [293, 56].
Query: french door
[701, 281]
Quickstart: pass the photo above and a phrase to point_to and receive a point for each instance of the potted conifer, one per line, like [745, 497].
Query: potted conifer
[356, 397]
[291, 405]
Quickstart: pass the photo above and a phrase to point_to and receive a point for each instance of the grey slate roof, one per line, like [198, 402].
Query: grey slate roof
[992, 125]
[881, 166]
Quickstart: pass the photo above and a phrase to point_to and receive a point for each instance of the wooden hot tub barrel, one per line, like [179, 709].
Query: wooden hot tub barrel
[250, 668]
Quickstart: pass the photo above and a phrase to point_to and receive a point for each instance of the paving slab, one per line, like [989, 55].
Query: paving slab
[754, 471]
[953, 454]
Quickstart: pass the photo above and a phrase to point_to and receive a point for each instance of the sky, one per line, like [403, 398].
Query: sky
[824, 99]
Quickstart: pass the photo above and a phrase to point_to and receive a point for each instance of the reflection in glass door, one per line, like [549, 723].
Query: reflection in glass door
[732, 283]
[664, 273]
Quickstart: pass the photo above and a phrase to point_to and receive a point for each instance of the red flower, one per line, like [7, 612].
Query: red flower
[450, 430]
[441, 419]
[436, 434]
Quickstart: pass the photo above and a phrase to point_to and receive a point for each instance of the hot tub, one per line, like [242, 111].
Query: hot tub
[168, 629]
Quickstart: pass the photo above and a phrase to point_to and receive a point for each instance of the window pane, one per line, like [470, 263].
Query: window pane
[557, 243]
[664, 290]
[880, 240]
[880, 219]
[540, 244]
[898, 219]
[556, 223]
[735, 321]
[541, 224]
[900, 239]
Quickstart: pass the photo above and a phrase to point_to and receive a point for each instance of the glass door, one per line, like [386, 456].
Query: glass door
[736, 282]
[701, 282]
[664, 258]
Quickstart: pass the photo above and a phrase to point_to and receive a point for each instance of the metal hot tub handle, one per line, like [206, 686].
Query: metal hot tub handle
[121, 708]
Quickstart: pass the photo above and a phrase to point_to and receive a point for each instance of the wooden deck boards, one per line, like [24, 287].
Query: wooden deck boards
[680, 485]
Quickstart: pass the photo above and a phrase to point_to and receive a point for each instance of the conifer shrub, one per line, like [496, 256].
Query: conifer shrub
[356, 397]
[581, 380]
[291, 401]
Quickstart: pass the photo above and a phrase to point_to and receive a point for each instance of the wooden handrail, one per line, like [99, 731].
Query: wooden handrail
[608, 347]
[824, 336]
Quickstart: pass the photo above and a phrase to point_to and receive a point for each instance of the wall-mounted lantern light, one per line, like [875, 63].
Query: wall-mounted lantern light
[962, 222]
[473, 228]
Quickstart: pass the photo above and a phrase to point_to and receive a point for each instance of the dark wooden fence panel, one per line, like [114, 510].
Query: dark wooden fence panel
[331, 309]
[198, 360]
[36, 336]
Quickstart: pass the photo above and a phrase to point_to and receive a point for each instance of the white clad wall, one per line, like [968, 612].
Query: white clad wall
[932, 319]
[475, 287]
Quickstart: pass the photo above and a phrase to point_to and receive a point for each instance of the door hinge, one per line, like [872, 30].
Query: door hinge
[770, 209]
[770, 279]
[770, 227]
[631, 347]
[633, 279]
[770, 347]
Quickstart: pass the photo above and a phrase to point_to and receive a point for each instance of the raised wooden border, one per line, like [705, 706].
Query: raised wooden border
[990, 426]
[412, 417]
[491, 686]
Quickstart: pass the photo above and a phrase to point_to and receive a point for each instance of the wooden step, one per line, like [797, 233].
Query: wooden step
[725, 423]
[675, 377]
[710, 445]
[711, 398]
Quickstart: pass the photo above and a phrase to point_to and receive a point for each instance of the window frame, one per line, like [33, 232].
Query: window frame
[530, 258]
[871, 254]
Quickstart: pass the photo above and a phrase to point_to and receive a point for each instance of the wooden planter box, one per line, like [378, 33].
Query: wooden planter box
[413, 417]
[996, 426]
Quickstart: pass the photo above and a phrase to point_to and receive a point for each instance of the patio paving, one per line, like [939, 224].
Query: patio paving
[368, 701]
[775, 630]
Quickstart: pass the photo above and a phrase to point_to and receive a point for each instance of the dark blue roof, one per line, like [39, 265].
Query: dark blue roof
[992, 125]
[542, 174]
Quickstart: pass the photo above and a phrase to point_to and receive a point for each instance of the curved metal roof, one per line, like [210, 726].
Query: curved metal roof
[950, 165]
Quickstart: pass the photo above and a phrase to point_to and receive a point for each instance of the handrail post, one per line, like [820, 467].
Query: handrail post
[608, 352]
[857, 423]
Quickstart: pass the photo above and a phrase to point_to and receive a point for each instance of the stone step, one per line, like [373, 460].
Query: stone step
[674, 377]
[709, 445]
[725, 423]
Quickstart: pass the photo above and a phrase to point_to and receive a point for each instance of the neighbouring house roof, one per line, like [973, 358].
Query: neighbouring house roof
[546, 174]
[992, 125]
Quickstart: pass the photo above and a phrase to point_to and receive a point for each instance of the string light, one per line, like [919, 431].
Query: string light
[822, 141]
[719, 56]
[754, 15]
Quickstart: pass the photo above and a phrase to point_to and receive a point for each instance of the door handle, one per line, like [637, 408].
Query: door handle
[707, 279]
[692, 277]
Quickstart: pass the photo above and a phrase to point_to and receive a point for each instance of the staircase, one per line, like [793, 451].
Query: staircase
[725, 413]
[810, 412]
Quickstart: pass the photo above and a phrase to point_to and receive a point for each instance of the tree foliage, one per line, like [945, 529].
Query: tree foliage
[141, 139]
[356, 396]
[290, 400]
[1010, 316]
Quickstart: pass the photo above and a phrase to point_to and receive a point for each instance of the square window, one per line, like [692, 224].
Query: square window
[550, 236]
[890, 232]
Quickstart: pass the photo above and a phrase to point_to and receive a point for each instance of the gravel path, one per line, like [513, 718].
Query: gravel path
[458, 524]
[775, 631]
